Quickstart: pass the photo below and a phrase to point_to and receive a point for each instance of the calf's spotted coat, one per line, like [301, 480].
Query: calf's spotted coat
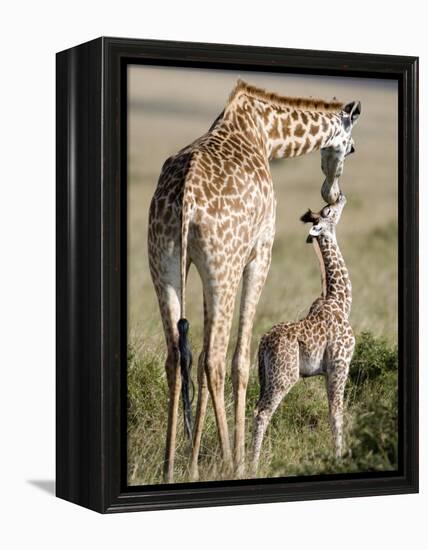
[214, 206]
[320, 344]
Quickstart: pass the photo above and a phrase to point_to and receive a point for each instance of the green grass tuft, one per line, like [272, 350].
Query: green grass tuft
[373, 358]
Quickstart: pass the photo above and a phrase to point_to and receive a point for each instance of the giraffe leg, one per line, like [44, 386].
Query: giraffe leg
[174, 388]
[170, 316]
[201, 408]
[165, 274]
[254, 278]
[220, 304]
[280, 376]
[215, 369]
[262, 417]
[337, 373]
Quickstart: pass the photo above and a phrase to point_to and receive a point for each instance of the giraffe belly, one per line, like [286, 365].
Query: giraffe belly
[310, 365]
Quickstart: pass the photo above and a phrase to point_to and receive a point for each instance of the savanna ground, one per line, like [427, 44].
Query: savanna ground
[169, 108]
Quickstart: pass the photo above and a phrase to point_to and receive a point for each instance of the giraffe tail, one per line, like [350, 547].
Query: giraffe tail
[183, 324]
[186, 380]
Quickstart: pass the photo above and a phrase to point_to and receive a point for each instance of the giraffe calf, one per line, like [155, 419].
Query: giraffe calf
[320, 344]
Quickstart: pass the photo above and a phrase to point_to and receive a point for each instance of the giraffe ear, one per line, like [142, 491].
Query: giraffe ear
[309, 217]
[353, 109]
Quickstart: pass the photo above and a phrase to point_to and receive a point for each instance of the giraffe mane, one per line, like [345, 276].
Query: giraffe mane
[320, 259]
[302, 103]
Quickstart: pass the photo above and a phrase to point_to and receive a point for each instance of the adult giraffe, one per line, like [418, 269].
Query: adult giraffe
[214, 206]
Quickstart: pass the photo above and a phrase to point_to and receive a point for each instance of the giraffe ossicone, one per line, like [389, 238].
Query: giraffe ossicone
[214, 206]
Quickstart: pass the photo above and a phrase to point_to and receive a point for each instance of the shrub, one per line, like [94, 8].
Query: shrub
[373, 436]
[373, 357]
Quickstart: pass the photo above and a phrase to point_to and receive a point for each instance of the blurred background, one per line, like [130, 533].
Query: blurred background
[167, 109]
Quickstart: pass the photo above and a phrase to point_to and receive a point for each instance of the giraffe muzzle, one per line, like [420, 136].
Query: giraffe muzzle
[330, 190]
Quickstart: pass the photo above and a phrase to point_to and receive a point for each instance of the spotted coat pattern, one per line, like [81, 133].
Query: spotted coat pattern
[320, 344]
[214, 206]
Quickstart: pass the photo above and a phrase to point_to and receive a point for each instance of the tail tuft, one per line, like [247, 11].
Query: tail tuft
[185, 368]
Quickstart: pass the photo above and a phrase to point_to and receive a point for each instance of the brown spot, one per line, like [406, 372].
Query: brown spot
[239, 157]
[228, 167]
[242, 123]
[208, 192]
[275, 131]
[199, 196]
[229, 188]
[294, 115]
[314, 129]
[288, 150]
[324, 125]
[299, 131]
[265, 115]
[318, 143]
[286, 130]
[306, 146]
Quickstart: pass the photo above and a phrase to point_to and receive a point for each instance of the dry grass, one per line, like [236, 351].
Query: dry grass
[168, 109]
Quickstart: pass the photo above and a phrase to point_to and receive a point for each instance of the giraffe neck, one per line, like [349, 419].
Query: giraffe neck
[337, 282]
[320, 259]
[284, 131]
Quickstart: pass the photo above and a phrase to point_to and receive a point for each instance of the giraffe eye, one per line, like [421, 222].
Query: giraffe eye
[326, 212]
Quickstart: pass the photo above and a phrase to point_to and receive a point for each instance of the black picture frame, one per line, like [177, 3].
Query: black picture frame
[91, 270]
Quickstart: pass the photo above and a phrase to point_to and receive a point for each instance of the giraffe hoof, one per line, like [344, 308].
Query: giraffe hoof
[252, 473]
[227, 470]
[194, 474]
[240, 471]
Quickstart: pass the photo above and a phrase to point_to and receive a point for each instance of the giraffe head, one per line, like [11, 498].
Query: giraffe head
[325, 221]
[340, 146]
